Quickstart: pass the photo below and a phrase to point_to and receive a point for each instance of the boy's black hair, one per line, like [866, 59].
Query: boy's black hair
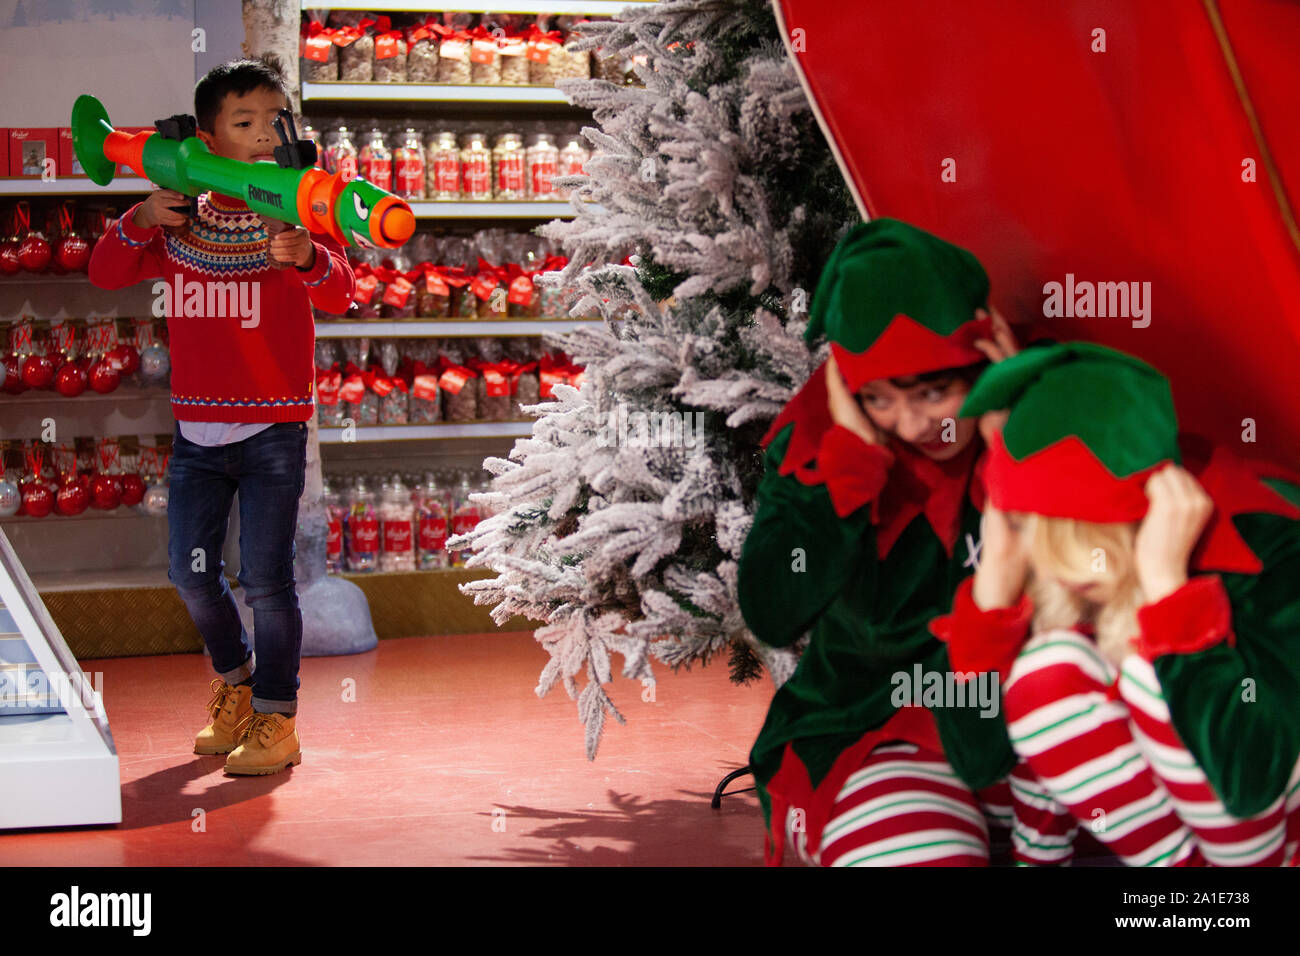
[238, 77]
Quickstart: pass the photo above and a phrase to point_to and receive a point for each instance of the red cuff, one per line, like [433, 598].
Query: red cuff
[320, 267]
[983, 640]
[134, 233]
[854, 471]
[1194, 617]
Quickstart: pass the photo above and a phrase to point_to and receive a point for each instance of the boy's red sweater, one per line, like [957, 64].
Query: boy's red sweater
[241, 330]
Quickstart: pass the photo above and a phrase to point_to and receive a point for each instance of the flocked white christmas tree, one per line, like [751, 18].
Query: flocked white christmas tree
[612, 525]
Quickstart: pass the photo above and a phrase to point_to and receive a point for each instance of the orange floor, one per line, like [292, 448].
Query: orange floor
[446, 757]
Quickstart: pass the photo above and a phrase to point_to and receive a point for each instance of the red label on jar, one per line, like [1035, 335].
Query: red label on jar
[463, 524]
[410, 175]
[397, 536]
[347, 168]
[334, 538]
[446, 174]
[378, 171]
[510, 173]
[365, 535]
[478, 177]
[433, 534]
[542, 174]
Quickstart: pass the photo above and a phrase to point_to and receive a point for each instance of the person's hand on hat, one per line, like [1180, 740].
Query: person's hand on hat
[1003, 566]
[1180, 509]
[844, 408]
[1003, 344]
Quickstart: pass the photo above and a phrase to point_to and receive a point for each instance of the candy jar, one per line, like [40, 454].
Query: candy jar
[542, 161]
[408, 166]
[396, 517]
[508, 179]
[431, 520]
[375, 162]
[464, 518]
[442, 170]
[476, 168]
[341, 156]
[363, 529]
[335, 511]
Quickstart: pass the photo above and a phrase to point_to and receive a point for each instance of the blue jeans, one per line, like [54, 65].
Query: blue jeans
[268, 469]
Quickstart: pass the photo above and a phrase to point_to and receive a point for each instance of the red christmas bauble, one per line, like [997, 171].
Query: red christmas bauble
[38, 498]
[73, 253]
[71, 380]
[103, 377]
[34, 253]
[106, 492]
[9, 263]
[37, 371]
[125, 358]
[73, 498]
[132, 489]
[13, 379]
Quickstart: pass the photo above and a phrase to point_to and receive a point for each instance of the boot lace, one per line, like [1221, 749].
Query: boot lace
[222, 693]
[259, 723]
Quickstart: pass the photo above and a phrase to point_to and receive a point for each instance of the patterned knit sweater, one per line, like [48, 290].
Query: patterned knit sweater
[241, 330]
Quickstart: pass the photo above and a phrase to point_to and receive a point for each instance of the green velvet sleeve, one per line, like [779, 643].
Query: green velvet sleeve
[974, 731]
[1237, 708]
[798, 553]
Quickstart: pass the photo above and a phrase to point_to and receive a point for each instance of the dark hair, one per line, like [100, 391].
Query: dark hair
[238, 77]
[967, 373]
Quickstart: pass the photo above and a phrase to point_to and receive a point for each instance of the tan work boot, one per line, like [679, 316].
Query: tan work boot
[231, 709]
[270, 744]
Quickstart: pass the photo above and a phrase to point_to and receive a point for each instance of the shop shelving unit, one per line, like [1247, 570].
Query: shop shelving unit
[58, 762]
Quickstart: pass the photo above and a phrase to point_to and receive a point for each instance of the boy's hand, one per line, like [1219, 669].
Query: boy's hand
[292, 247]
[156, 210]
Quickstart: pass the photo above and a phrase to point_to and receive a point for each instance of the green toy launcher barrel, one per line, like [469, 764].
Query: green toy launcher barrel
[355, 212]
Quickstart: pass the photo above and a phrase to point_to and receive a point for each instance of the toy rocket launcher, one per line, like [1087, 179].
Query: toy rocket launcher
[356, 213]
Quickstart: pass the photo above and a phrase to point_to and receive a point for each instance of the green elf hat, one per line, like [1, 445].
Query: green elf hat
[895, 301]
[1088, 426]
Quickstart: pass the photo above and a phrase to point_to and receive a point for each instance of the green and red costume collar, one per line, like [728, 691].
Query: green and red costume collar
[916, 483]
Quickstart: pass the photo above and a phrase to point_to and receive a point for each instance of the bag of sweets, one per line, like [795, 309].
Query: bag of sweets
[390, 52]
[422, 53]
[318, 53]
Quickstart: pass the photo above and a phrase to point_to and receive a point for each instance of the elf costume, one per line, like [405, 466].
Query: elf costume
[1209, 703]
[863, 545]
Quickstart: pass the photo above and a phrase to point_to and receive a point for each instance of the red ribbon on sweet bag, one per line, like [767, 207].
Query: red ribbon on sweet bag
[316, 41]
[551, 373]
[521, 285]
[435, 280]
[377, 380]
[386, 38]
[424, 383]
[353, 387]
[328, 381]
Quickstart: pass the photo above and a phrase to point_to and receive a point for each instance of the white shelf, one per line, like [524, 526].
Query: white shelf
[334, 436]
[130, 512]
[403, 328]
[513, 209]
[52, 399]
[589, 7]
[431, 92]
[72, 185]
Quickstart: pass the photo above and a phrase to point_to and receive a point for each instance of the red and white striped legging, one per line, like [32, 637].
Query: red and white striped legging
[1118, 767]
[905, 807]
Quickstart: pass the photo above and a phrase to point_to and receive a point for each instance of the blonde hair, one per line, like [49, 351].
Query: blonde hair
[1084, 552]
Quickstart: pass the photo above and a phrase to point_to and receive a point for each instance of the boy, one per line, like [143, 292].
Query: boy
[242, 377]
